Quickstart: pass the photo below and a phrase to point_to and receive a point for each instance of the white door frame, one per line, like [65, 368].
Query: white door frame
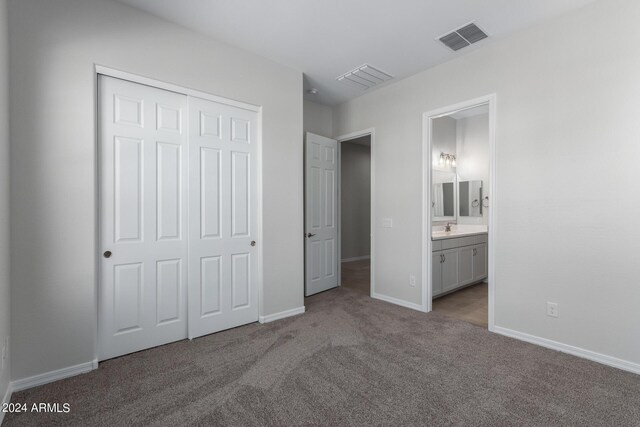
[427, 167]
[112, 72]
[345, 138]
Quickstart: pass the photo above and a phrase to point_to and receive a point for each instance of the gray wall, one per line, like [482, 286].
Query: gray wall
[4, 195]
[567, 113]
[318, 119]
[473, 158]
[53, 48]
[443, 141]
[355, 199]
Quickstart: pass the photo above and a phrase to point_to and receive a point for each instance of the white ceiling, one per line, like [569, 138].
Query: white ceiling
[326, 38]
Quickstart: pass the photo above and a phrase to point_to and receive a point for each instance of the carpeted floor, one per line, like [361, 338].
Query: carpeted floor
[350, 360]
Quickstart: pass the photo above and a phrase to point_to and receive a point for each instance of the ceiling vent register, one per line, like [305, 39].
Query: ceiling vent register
[364, 77]
[463, 37]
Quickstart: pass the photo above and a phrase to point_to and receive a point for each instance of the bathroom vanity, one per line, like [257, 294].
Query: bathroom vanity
[459, 259]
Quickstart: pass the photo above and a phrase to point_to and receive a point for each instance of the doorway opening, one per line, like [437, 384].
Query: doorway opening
[355, 214]
[459, 196]
[339, 199]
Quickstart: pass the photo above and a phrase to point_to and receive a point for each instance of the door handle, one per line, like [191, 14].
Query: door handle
[253, 243]
[107, 254]
[310, 234]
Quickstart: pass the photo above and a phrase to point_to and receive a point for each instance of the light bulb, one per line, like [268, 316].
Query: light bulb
[453, 162]
[441, 159]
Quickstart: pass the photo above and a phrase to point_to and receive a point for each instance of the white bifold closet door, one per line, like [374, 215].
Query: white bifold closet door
[223, 287]
[177, 217]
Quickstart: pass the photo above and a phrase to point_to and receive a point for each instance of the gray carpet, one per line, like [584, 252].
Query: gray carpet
[349, 360]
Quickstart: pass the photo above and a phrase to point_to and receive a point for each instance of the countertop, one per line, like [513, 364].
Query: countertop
[458, 231]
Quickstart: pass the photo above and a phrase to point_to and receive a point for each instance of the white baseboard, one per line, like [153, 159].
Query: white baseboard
[357, 258]
[397, 301]
[49, 377]
[5, 399]
[625, 365]
[283, 314]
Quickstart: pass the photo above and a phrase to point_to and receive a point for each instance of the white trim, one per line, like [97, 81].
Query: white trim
[396, 301]
[625, 365]
[260, 227]
[343, 138]
[119, 74]
[427, 167]
[49, 377]
[282, 315]
[339, 213]
[357, 258]
[5, 400]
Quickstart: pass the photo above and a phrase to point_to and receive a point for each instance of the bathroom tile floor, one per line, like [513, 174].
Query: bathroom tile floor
[468, 304]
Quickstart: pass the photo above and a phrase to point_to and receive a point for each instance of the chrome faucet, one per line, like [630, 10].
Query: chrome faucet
[447, 228]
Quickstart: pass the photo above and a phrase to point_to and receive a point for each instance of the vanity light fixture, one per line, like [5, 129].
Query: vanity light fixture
[448, 160]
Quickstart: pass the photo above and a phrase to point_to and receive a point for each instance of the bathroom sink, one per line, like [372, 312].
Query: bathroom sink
[459, 232]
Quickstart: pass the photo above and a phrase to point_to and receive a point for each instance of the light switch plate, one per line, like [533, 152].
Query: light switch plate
[387, 223]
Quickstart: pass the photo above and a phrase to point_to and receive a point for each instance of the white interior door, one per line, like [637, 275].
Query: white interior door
[223, 287]
[143, 228]
[321, 200]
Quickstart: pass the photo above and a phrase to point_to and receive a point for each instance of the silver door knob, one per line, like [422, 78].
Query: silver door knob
[310, 234]
[107, 254]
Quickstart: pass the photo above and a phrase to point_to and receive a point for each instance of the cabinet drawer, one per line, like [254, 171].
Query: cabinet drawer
[458, 242]
[436, 245]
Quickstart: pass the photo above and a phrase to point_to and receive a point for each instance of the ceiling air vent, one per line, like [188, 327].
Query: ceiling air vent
[364, 77]
[463, 37]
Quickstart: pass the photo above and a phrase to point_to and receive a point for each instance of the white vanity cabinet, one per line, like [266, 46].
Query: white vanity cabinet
[480, 264]
[436, 281]
[458, 262]
[450, 269]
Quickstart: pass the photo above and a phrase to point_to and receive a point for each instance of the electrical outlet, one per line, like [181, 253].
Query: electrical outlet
[552, 309]
[412, 281]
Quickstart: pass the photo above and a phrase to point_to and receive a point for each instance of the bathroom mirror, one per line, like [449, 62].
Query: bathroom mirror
[470, 195]
[444, 196]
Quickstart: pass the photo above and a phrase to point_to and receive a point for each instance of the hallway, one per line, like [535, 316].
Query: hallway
[356, 275]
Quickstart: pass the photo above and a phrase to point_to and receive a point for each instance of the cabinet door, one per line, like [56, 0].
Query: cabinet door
[465, 265]
[480, 262]
[436, 278]
[450, 269]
